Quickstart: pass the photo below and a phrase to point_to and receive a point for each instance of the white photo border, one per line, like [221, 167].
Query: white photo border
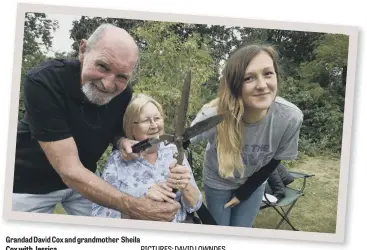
[337, 237]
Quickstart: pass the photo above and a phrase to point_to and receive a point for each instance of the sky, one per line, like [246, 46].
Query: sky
[61, 37]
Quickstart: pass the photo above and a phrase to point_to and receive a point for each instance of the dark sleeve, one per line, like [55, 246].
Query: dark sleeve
[256, 180]
[119, 131]
[45, 108]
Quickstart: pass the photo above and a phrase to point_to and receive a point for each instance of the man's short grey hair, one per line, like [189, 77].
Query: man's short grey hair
[97, 35]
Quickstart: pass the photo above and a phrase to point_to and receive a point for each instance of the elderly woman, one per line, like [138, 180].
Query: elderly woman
[155, 174]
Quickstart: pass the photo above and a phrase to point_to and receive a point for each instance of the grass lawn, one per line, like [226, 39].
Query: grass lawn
[314, 212]
[317, 210]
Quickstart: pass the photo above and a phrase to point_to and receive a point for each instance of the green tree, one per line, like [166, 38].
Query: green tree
[163, 66]
[37, 41]
[329, 67]
[294, 47]
[37, 33]
[322, 126]
[218, 39]
[320, 93]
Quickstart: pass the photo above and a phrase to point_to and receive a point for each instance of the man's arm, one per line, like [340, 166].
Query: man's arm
[63, 156]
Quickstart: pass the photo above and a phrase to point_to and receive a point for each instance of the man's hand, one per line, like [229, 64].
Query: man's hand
[161, 192]
[148, 209]
[125, 147]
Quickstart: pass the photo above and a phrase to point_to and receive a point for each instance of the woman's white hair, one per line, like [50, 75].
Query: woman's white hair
[133, 110]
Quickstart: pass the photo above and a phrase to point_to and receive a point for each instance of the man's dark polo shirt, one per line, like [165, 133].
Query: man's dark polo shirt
[57, 109]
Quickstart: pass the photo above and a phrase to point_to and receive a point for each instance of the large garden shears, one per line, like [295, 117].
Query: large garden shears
[181, 135]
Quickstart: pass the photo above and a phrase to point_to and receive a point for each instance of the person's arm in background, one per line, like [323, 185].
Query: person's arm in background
[48, 125]
[276, 184]
[284, 175]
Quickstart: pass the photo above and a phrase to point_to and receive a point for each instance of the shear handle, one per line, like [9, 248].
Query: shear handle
[143, 145]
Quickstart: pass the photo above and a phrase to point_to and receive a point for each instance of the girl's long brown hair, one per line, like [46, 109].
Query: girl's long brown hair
[231, 132]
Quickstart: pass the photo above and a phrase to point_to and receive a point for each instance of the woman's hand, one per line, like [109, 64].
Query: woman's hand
[161, 192]
[179, 176]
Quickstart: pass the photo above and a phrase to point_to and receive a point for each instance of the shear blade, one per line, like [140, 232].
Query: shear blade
[203, 125]
[182, 110]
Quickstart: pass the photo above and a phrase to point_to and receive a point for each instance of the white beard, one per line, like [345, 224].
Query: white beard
[95, 96]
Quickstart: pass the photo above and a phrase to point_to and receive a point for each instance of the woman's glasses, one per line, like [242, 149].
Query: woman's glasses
[147, 122]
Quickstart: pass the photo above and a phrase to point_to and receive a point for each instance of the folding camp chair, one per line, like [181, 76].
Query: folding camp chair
[291, 197]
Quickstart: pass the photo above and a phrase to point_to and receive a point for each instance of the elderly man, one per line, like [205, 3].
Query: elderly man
[74, 110]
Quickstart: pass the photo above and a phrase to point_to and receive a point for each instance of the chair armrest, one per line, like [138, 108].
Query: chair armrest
[300, 175]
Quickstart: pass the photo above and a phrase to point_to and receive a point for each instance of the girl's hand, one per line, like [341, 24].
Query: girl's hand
[232, 203]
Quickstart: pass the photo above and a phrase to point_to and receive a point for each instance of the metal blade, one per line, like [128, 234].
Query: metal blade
[167, 139]
[184, 103]
[204, 125]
